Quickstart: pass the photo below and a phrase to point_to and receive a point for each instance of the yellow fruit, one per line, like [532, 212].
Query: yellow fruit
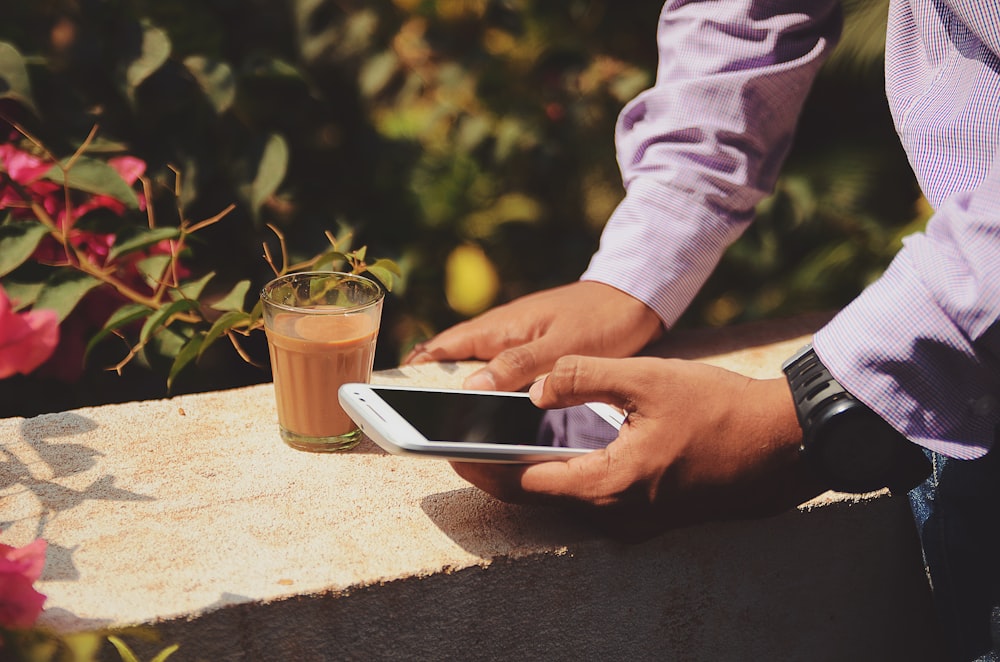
[471, 282]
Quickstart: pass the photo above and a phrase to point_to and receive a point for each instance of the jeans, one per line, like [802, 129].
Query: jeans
[957, 512]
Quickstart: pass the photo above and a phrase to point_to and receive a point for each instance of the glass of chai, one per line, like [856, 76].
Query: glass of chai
[321, 329]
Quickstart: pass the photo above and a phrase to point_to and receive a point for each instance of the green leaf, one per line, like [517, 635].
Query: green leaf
[386, 272]
[270, 170]
[193, 289]
[23, 294]
[153, 51]
[376, 72]
[389, 265]
[330, 260]
[14, 81]
[234, 300]
[223, 324]
[139, 239]
[216, 80]
[166, 344]
[94, 176]
[82, 645]
[63, 290]
[125, 315]
[165, 653]
[123, 650]
[188, 353]
[257, 312]
[163, 315]
[153, 267]
[18, 240]
[264, 66]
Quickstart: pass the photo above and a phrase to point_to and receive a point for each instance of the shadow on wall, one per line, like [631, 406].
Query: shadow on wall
[36, 476]
[772, 589]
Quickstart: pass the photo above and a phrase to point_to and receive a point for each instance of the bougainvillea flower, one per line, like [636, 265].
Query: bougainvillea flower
[20, 567]
[23, 168]
[26, 169]
[26, 339]
[129, 167]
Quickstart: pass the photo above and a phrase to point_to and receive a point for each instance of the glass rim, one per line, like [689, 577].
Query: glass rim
[378, 294]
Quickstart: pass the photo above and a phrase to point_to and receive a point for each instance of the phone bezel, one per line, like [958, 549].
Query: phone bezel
[393, 433]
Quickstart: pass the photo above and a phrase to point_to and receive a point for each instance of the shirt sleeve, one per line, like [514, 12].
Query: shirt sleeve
[705, 144]
[921, 346]
[933, 370]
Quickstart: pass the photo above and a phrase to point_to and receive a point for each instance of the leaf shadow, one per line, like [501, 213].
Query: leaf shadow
[60, 460]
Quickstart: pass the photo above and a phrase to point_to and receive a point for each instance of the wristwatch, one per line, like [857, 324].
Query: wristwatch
[850, 446]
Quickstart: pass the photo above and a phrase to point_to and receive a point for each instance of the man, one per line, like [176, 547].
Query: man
[916, 355]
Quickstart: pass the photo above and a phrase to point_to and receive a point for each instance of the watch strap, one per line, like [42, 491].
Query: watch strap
[816, 392]
[813, 386]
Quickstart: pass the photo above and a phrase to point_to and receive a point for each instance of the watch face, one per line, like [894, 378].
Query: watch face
[856, 449]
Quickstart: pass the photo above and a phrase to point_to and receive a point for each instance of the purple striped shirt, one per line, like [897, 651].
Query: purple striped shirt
[704, 145]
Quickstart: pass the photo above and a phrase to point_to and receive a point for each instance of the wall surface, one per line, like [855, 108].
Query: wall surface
[189, 514]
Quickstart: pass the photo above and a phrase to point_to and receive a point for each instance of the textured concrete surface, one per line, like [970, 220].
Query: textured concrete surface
[191, 515]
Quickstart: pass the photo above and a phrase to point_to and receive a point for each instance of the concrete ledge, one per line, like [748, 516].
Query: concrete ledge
[191, 515]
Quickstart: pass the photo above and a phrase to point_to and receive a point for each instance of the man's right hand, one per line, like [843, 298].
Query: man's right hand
[521, 340]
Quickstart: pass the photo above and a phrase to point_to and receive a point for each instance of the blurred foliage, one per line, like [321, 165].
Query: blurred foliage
[469, 140]
[41, 645]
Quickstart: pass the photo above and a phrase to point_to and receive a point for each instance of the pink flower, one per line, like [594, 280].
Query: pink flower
[27, 170]
[26, 339]
[129, 167]
[20, 567]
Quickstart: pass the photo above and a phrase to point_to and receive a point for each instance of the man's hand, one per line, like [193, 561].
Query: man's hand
[700, 443]
[522, 339]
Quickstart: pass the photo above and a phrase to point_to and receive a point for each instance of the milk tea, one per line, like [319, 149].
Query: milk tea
[311, 356]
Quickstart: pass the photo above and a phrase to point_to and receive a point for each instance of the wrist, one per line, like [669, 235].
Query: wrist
[781, 439]
[769, 423]
[845, 442]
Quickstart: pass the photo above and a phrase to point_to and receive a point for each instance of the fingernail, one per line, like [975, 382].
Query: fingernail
[480, 381]
[415, 353]
[535, 392]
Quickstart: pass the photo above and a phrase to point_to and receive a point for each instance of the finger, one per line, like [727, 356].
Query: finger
[576, 380]
[453, 344]
[516, 367]
[585, 479]
[502, 481]
[576, 480]
[472, 339]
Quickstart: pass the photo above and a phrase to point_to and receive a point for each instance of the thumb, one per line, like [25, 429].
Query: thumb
[575, 380]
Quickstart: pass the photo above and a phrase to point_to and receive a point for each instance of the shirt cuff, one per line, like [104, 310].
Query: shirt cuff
[660, 246]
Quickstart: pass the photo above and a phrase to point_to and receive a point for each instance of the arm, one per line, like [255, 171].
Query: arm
[697, 152]
[701, 148]
[921, 346]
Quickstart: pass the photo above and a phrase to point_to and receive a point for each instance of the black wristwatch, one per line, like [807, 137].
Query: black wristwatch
[851, 447]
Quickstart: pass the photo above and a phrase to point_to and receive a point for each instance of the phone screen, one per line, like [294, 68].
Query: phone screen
[477, 418]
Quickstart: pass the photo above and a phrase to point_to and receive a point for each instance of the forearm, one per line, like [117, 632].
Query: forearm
[701, 148]
[921, 346]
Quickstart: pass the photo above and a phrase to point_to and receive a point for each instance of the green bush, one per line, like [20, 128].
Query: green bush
[460, 138]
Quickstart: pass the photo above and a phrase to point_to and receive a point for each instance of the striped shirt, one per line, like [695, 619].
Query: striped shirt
[705, 144]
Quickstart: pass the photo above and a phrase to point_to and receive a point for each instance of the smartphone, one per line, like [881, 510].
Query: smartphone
[476, 426]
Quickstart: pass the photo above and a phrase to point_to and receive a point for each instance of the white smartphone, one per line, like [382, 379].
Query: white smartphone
[476, 426]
